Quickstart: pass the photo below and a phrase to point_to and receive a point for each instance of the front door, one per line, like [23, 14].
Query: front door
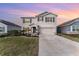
[34, 29]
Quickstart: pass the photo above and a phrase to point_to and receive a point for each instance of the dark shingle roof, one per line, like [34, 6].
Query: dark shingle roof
[45, 13]
[8, 23]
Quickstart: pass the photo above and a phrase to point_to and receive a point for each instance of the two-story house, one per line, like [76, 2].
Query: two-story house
[44, 23]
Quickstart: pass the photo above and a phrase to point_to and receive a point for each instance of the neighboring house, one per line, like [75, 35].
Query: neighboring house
[44, 23]
[70, 27]
[6, 26]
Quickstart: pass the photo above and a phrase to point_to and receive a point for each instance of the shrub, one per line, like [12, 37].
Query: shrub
[14, 32]
[3, 35]
[22, 32]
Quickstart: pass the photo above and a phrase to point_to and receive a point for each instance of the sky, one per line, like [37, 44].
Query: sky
[13, 11]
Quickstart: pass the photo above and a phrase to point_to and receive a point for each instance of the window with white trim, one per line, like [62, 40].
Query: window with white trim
[40, 18]
[75, 28]
[2, 29]
[49, 19]
[53, 19]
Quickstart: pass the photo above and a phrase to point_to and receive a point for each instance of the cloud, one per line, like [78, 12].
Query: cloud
[65, 15]
[19, 12]
[65, 11]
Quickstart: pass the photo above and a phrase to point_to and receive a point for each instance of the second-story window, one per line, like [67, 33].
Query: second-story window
[49, 19]
[40, 18]
[27, 20]
[53, 19]
[30, 20]
[23, 20]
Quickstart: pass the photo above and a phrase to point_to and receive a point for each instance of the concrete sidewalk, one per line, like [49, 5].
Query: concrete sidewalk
[53, 45]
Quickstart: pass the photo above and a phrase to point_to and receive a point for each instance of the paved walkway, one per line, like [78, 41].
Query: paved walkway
[53, 45]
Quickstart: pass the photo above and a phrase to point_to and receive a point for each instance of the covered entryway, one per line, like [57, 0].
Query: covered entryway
[34, 29]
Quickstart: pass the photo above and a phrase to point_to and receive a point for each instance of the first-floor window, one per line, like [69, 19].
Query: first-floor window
[75, 27]
[2, 29]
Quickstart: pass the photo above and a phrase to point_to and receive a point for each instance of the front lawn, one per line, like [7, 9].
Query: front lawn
[19, 46]
[71, 37]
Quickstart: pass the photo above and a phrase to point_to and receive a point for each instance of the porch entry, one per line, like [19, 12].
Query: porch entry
[34, 29]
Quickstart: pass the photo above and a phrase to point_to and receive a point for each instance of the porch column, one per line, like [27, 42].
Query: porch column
[32, 29]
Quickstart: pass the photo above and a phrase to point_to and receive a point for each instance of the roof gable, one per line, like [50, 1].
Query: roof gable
[44, 14]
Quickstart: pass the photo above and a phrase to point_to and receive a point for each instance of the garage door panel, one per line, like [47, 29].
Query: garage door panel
[48, 31]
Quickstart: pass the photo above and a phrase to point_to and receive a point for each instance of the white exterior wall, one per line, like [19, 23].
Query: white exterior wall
[25, 25]
[48, 27]
[3, 25]
[43, 23]
[34, 20]
[47, 24]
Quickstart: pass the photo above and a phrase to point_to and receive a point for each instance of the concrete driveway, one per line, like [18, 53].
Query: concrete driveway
[53, 45]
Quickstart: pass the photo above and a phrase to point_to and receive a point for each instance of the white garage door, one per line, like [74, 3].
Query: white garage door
[47, 30]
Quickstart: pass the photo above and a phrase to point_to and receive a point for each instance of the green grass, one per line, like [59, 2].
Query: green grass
[19, 46]
[73, 37]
